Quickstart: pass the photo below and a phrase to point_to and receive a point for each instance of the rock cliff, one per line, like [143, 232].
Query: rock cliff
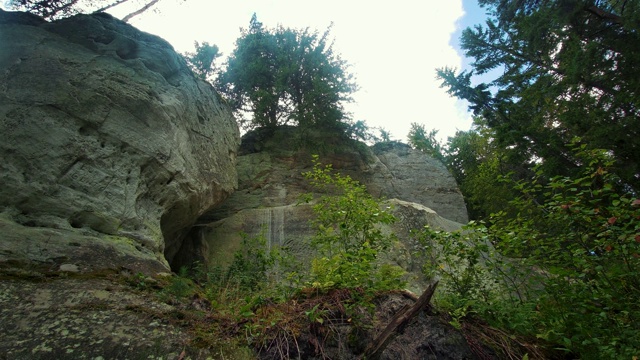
[110, 149]
[409, 175]
[418, 187]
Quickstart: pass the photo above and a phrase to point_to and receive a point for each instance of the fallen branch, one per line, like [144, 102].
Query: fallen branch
[397, 323]
[140, 11]
[105, 8]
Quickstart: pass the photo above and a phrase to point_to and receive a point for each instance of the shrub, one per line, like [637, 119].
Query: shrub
[566, 269]
[348, 239]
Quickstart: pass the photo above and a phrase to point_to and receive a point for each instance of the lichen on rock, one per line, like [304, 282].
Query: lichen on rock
[106, 134]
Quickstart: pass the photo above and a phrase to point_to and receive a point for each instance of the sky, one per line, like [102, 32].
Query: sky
[393, 48]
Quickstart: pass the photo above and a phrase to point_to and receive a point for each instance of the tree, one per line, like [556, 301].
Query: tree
[560, 124]
[477, 163]
[202, 61]
[425, 142]
[286, 76]
[48, 9]
[566, 269]
[569, 70]
[56, 9]
[385, 135]
[348, 238]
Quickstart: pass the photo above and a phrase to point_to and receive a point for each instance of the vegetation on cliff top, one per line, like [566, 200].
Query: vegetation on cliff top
[286, 76]
[56, 9]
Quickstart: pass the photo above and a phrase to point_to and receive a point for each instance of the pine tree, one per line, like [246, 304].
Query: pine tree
[569, 70]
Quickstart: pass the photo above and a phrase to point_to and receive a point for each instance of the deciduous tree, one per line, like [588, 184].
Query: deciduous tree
[202, 60]
[425, 141]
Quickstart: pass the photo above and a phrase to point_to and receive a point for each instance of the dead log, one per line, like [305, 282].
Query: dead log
[397, 323]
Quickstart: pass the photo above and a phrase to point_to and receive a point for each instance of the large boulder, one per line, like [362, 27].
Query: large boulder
[410, 175]
[111, 147]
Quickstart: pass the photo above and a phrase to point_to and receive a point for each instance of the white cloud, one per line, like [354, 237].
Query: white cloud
[394, 49]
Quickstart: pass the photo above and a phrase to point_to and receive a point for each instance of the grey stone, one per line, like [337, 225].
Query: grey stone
[69, 268]
[96, 318]
[270, 183]
[106, 135]
[410, 175]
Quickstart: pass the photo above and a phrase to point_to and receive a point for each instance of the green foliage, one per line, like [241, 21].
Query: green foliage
[139, 280]
[202, 60]
[180, 285]
[57, 9]
[251, 272]
[286, 76]
[477, 161]
[347, 238]
[567, 69]
[476, 279]
[243, 296]
[359, 130]
[251, 266]
[316, 315]
[425, 142]
[48, 9]
[385, 135]
[565, 270]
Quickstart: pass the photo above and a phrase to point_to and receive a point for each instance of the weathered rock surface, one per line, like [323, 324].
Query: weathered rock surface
[271, 183]
[110, 149]
[80, 319]
[408, 174]
[74, 317]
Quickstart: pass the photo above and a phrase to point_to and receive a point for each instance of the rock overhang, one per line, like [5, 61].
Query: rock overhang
[107, 133]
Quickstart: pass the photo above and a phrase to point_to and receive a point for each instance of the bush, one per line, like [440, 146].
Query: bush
[348, 239]
[566, 269]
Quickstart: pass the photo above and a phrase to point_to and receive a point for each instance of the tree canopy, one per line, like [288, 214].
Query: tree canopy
[202, 60]
[569, 70]
[552, 171]
[286, 76]
[425, 141]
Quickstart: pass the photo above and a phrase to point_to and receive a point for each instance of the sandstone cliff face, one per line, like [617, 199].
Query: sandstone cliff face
[110, 148]
[419, 188]
[407, 174]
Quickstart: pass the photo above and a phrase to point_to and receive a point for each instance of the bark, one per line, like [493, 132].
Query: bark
[397, 324]
[605, 15]
[140, 11]
[105, 8]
